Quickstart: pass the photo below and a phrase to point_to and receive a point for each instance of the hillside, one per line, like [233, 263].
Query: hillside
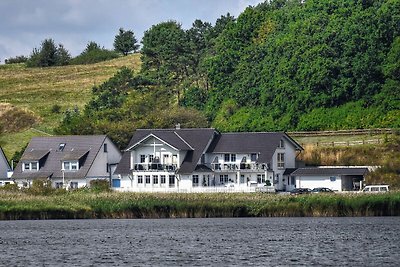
[38, 92]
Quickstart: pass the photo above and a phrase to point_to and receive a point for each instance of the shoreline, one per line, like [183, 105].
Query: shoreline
[115, 205]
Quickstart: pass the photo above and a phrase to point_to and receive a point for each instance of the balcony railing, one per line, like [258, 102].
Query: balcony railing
[226, 167]
[155, 167]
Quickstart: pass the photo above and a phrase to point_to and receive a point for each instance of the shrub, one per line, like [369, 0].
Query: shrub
[17, 59]
[94, 56]
[100, 185]
[56, 108]
[41, 187]
[10, 188]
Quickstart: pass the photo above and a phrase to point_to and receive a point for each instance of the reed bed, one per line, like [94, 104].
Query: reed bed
[89, 205]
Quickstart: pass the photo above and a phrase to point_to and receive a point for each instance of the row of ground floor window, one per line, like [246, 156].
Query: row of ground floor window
[170, 180]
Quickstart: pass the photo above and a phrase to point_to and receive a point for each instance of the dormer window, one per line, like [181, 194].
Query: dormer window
[61, 146]
[281, 144]
[70, 165]
[30, 166]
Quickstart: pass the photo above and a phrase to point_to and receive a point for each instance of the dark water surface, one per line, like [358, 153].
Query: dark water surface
[371, 241]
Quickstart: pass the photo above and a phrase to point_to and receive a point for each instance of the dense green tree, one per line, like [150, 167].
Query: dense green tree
[48, 55]
[125, 42]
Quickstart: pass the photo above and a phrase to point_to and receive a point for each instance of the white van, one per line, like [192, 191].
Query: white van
[376, 189]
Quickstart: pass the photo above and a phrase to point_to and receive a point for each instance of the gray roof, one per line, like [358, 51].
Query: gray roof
[75, 148]
[329, 171]
[194, 141]
[262, 143]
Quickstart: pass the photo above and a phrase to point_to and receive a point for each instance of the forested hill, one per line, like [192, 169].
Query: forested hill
[324, 64]
[282, 65]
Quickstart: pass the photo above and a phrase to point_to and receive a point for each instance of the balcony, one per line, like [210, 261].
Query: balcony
[243, 167]
[155, 167]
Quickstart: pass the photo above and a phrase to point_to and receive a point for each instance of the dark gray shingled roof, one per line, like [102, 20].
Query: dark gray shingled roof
[263, 143]
[194, 140]
[75, 148]
[329, 171]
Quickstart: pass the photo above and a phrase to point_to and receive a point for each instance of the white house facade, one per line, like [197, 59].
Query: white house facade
[204, 160]
[67, 161]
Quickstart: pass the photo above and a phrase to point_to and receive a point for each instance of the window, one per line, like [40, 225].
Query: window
[59, 185]
[227, 157]
[142, 158]
[34, 166]
[233, 157]
[155, 179]
[332, 178]
[140, 179]
[162, 179]
[281, 160]
[166, 159]
[254, 157]
[151, 158]
[260, 178]
[73, 185]
[147, 178]
[30, 166]
[281, 144]
[171, 180]
[70, 166]
[293, 180]
[221, 179]
[61, 146]
[105, 148]
[195, 179]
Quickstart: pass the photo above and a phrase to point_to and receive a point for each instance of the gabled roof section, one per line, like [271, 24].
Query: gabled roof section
[193, 140]
[329, 171]
[262, 143]
[34, 154]
[75, 148]
[169, 137]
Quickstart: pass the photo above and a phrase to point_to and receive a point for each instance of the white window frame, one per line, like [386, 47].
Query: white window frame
[281, 144]
[70, 165]
[28, 166]
[195, 180]
[280, 159]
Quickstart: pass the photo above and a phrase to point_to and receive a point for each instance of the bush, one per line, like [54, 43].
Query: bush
[10, 188]
[100, 185]
[94, 56]
[41, 187]
[17, 59]
[56, 108]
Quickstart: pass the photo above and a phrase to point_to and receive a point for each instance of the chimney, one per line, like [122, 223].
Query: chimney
[178, 126]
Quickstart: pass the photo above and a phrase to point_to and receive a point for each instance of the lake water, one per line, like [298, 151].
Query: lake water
[371, 241]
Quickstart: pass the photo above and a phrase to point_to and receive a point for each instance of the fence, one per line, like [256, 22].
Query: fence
[347, 143]
[344, 132]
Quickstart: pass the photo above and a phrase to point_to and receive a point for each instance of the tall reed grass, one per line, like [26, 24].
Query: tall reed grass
[85, 205]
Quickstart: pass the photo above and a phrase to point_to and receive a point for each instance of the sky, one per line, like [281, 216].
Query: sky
[24, 24]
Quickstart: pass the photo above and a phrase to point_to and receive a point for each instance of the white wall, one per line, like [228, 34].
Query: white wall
[99, 166]
[319, 181]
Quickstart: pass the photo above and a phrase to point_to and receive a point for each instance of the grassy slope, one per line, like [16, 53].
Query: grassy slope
[38, 89]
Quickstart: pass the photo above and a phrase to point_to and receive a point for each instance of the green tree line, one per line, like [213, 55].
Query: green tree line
[282, 65]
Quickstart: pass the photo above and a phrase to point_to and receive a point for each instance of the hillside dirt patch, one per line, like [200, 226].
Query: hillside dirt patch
[14, 119]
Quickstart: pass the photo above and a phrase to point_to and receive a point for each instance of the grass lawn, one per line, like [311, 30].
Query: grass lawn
[39, 89]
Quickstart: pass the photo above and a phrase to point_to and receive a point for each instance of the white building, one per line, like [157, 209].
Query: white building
[338, 178]
[204, 160]
[68, 161]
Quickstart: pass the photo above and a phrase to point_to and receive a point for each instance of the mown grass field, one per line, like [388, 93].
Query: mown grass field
[39, 89]
[91, 205]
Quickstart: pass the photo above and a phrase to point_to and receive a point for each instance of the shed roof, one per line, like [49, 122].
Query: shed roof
[329, 171]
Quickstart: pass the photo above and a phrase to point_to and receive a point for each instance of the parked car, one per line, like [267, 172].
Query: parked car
[300, 191]
[318, 190]
[375, 189]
